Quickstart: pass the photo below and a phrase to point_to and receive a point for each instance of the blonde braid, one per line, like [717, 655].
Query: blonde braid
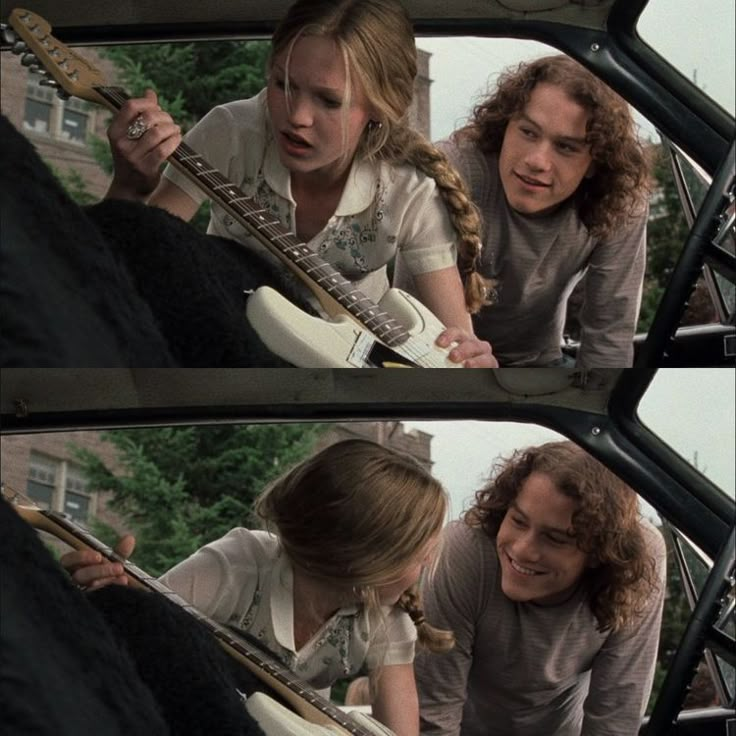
[436, 640]
[405, 145]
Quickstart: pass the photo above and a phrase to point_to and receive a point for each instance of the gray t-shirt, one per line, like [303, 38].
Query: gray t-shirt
[537, 262]
[520, 669]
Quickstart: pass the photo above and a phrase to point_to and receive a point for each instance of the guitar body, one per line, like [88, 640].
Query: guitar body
[341, 342]
[398, 332]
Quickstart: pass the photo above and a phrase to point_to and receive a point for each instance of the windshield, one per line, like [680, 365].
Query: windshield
[697, 39]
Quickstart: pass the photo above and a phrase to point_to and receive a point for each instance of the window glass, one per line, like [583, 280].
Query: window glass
[37, 116]
[42, 480]
[696, 38]
[693, 411]
[74, 126]
[76, 505]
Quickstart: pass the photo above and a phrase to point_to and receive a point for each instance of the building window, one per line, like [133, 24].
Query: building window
[46, 114]
[74, 120]
[76, 496]
[42, 474]
[60, 486]
[39, 111]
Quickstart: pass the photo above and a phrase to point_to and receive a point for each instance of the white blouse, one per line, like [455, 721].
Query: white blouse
[245, 580]
[383, 208]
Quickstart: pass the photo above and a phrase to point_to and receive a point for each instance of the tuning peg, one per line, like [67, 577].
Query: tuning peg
[19, 47]
[46, 82]
[62, 94]
[8, 34]
[28, 59]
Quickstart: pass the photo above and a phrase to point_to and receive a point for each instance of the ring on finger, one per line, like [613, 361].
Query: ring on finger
[136, 129]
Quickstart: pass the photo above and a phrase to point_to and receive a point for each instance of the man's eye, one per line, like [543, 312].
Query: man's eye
[567, 148]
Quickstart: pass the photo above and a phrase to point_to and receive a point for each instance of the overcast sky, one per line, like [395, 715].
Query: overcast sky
[693, 410]
[698, 37]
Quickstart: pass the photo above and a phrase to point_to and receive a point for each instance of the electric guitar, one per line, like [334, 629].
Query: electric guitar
[397, 332]
[301, 697]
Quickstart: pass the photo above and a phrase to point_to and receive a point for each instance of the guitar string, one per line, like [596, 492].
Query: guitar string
[386, 328]
[389, 330]
[273, 668]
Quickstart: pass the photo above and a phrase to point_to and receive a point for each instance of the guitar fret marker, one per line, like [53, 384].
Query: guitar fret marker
[246, 210]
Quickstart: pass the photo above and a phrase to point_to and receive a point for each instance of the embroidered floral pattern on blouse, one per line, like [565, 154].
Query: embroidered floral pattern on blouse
[248, 617]
[347, 242]
[269, 200]
[338, 635]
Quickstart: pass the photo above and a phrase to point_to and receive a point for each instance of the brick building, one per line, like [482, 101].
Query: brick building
[60, 130]
[44, 467]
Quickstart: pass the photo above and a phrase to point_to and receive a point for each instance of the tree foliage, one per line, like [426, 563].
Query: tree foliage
[189, 79]
[181, 487]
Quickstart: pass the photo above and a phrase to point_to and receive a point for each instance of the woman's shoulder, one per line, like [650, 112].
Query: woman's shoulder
[254, 545]
[247, 114]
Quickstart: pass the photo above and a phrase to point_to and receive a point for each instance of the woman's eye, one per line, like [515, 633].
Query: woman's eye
[331, 103]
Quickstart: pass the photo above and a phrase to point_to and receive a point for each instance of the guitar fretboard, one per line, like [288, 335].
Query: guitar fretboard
[262, 661]
[260, 223]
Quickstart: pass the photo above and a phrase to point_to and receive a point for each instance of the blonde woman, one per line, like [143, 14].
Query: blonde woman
[331, 588]
[327, 148]
[553, 586]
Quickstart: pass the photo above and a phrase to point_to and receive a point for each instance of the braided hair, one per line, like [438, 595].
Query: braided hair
[429, 637]
[376, 38]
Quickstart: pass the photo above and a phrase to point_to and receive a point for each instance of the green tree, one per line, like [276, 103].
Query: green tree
[74, 184]
[667, 231]
[189, 79]
[675, 615]
[182, 487]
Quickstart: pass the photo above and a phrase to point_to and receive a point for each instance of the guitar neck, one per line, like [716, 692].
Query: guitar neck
[305, 701]
[319, 275]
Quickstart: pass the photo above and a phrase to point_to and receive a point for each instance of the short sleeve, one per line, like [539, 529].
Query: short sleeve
[426, 237]
[229, 138]
[396, 643]
[218, 578]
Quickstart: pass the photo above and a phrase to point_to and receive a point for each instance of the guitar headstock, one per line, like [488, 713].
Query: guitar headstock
[16, 498]
[63, 68]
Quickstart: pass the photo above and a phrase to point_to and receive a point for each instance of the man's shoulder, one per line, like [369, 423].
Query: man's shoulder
[469, 540]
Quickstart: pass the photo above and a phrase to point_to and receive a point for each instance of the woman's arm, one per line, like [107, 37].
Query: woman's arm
[395, 702]
[441, 292]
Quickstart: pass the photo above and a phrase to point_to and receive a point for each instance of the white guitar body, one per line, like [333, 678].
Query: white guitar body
[398, 332]
[341, 342]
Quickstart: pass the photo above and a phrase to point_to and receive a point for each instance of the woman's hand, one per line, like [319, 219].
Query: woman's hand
[142, 136]
[469, 350]
[89, 569]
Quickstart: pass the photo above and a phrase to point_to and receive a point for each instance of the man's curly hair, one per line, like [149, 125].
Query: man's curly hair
[621, 179]
[606, 525]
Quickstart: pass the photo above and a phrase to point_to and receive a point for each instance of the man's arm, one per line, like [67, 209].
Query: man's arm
[623, 671]
[450, 600]
[613, 289]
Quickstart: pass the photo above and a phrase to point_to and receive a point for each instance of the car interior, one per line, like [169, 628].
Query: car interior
[605, 411]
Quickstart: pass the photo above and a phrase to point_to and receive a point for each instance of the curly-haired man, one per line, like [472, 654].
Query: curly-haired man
[556, 169]
[553, 585]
